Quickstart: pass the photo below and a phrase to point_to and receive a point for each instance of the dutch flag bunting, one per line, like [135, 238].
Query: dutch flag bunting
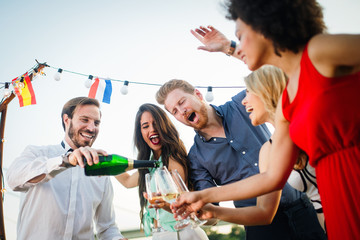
[100, 92]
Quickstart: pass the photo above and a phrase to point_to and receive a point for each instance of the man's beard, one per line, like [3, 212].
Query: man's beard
[203, 118]
[74, 139]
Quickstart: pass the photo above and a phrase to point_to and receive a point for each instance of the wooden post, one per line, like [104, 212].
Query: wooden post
[3, 109]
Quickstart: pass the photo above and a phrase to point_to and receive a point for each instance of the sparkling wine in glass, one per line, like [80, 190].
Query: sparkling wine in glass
[183, 188]
[153, 194]
[169, 191]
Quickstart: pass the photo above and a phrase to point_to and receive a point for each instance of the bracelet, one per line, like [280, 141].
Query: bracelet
[232, 48]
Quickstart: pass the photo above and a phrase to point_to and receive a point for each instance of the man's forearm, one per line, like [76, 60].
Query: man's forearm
[37, 178]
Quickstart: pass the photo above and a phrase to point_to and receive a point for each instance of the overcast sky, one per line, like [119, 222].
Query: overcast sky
[139, 41]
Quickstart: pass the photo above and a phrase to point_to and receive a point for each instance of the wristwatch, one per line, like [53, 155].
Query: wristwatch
[65, 160]
[231, 48]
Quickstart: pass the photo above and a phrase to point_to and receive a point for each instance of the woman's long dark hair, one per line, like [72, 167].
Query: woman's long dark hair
[171, 145]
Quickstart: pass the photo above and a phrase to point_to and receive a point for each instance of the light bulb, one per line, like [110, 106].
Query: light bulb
[20, 85]
[124, 89]
[7, 91]
[57, 75]
[88, 82]
[209, 95]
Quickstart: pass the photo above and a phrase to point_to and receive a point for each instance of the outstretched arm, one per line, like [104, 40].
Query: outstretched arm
[127, 180]
[38, 164]
[75, 158]
[261, 214]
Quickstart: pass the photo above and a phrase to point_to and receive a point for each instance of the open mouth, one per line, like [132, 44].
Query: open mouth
[155, 139]
[87, 136]
[191, 117]
[249, 109]
[242, 58]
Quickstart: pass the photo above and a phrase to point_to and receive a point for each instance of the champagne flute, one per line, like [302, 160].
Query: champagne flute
[153, 194]
[183, 188]
[169, 191]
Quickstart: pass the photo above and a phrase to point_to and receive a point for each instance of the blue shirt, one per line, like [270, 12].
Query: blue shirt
[221, 161]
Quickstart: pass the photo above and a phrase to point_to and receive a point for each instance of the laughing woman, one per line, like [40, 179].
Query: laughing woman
[264, 87]
[156, 138]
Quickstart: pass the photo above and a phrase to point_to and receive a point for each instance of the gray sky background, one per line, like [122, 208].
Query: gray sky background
[139, 41]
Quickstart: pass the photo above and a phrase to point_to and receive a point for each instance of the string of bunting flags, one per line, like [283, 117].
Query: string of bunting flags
[99, 88]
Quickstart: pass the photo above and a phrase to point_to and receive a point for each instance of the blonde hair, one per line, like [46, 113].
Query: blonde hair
[267, 82]
[171, 85]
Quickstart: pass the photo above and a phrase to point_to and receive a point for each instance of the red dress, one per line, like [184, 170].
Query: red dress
[325, 122]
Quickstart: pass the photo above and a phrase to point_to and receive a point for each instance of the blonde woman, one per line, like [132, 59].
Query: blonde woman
[264, 87]
[267, 83]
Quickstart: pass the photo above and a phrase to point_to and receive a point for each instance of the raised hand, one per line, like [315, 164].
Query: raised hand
[213, 39]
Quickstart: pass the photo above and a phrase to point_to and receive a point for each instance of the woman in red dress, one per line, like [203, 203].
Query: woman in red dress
[318, 112]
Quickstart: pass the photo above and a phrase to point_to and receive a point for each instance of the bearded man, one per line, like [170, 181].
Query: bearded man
[58, 201]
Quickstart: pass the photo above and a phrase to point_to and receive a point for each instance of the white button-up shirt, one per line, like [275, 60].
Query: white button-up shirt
[66, 204]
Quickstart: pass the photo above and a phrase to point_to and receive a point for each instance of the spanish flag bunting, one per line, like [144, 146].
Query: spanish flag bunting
[98, 91]
[25, 91]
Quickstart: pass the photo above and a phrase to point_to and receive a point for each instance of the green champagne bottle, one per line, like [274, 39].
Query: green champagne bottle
[115, 164]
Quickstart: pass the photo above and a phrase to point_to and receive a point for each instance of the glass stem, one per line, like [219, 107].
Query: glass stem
[157, 218]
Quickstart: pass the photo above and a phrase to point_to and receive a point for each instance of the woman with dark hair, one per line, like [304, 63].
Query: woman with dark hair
[156, 138]
[316, 112]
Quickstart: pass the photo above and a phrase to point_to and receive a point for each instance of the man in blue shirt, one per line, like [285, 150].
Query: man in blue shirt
[226, 149]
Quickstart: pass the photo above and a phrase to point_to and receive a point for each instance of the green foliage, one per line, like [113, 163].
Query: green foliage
[237, 233]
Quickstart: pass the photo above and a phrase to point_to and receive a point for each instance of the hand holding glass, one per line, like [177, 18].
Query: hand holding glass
[153, 194]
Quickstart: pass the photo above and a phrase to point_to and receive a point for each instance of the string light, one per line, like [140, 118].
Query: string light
[57, 75]
[7, 91]
[209, 94]
[21, 84]
[132, 82]
[125, 88]
[88, 82]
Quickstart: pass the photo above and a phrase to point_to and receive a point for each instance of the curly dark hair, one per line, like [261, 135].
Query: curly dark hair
[289, 24]
[172, 146]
